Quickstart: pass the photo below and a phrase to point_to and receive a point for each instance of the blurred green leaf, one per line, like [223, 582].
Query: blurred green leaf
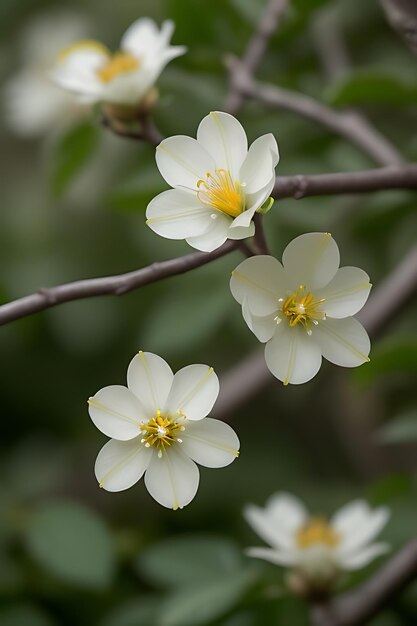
[390, 487]
[71, 153]
[24, 615]
[140, 611]
[200, 604]
[392, 358]
[72, 543]
[184, 560]
[401, 429]
[371, 87]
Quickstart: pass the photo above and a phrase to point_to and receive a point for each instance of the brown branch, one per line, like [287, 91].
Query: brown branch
[260, 237]
[115, 285]
[356, 607]
[394, 177]
[256, 49]
[147, 132]
[402, 15]
[343, 123]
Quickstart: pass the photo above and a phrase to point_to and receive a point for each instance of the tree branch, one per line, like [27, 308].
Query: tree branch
[116, 285]
[402, 15]
[256, 49]
[343, 123]
[148, 132]
[356, 607]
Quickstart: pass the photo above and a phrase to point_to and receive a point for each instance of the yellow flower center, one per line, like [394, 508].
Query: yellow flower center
[162, 431]
[317, 532]
[119, 63]
[302, 308]
[221, 192]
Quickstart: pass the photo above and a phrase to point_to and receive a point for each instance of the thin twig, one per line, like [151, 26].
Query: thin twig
[116, 285]
[344, 123]
[148, 132]
[260, 237]
[402, 15]
[255, 49]
[356, 607]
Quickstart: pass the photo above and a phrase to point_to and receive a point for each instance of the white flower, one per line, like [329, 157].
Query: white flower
[159, 427]
[312, 546]
[33, 104]
[218, 183]
[89, 70]
[303, 307]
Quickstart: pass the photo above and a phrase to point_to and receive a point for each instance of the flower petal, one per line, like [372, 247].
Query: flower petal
[194, 391]
[261, 280]
[120, 464]
[117, 412]
[292, 356]
[279, 521]
[210, 442]
[311, 259]
[344, 342]
[240, 232]
[143, 39]
[224, 138]
[77, 66]
[364, 557]
[150, 378]
[357, 524]
[262, 327]
[172, 480]
[346, 293]
[260, 161]
[214, 236]
[276, 557]
[182, 161]
[177, 214]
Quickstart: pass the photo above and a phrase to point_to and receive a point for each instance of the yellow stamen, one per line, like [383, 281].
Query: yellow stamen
[317, 532]
[83, 44]
[119, 63]
[301, 308]
[221, 192]
[162, 431]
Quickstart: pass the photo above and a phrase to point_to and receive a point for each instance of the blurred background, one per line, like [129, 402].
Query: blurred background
[73, 204]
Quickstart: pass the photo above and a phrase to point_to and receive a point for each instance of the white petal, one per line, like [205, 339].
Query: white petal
[364, 557]
[291, 355]
[311, 259]
[261, 280]
[224, 138]
[77, 67]
[214, 236]
[346, 293]
[142, 37]
[150, 378]
[262, 327]
[259, 164]
[117, 412]
[276, 557]
[182, 161]
[344, 342]
[240, 232]
[210, 442]
[172, 480]
[244, 219]
[194, 391]
[253, 202]
[279, 521]
[120, 464]
[130, 87]
[177, 214]
[357, 525]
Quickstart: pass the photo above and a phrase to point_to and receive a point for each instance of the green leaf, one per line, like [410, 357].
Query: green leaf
[201, 604]
[402, 429]
[72, 543]
[140, 611]
[389, 487]
[371, 87]
[71, 153]
[399, 357]
[24, 615]
[184, 560]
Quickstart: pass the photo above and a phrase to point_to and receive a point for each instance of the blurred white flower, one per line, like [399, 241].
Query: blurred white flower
[159, 427]
[303, 307]
[314, 548]
[218, 183]
[33, 104]
[89, 70]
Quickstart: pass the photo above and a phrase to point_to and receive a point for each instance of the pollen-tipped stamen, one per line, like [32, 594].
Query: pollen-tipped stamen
[221, 192]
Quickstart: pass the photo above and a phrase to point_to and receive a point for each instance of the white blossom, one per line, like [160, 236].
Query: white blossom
[33, 104]
[89, 70]
[314, 547]
[159, 428]
[303, 308]
[218, 183]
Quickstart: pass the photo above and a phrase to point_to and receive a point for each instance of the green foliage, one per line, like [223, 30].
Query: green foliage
[71, 154]
[72, 543]
[401, 429]
[395, 357]
[140, 611]
[24, 615]
[371, 87]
